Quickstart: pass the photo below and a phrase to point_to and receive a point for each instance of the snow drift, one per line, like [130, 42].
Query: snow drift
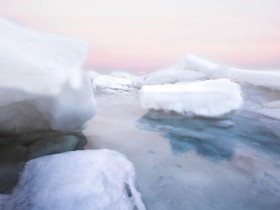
[211, 98]
[92, 179]
[41, 85]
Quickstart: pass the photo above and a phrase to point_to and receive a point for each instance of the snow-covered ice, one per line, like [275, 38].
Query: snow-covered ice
[92, 74]
[171, 76]
[263, 78]
[92, 179]
[41, 84]
[261, 100]
[110, 84]
[182, 162]
[136, 81]
[211, 98]
[260, 88]
[116, 82]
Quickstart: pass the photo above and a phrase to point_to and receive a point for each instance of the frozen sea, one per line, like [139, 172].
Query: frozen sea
[193, 163]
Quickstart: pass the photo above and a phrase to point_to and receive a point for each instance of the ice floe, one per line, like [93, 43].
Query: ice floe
[210, 98]
[41, 84]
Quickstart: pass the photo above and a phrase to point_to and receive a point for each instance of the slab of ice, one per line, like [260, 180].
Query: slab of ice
[92, 179]
[170, 76]
[211, 98]
[41, 85]
[264, 78]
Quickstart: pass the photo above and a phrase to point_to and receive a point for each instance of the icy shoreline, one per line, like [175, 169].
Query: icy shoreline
[44, 89]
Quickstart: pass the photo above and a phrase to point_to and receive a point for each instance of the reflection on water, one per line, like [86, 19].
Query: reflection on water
[215, 139]
[193, 163]
[193, 134]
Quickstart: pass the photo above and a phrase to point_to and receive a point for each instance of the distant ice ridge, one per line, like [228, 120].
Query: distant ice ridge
[264, 78]
[109, 84]
[116, 82]
[261, 89]
[41, 84]
[80, 180]
[136, 81]
[168, 76]
[210, 98]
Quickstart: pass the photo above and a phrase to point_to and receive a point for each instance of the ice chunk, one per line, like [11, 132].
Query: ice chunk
[41, 85]
[136, 81]
[261, 100]
[194, 63]
[268, 79]
[121, 74]
[264, 78]
[92, 74]
[170, 76]
[102, 83]
[211, 98]
[92, 179]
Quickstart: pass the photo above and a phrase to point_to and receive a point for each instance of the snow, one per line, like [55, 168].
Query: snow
[263, 78]
[41, 84]
[170, 76]
[211, 98]
[92, 179]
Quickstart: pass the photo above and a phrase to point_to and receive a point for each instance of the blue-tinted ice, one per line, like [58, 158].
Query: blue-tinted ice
[193, 163]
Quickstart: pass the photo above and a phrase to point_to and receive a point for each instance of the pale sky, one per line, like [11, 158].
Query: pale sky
[144, 35]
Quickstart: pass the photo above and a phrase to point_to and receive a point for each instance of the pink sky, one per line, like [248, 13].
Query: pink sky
[144, 35]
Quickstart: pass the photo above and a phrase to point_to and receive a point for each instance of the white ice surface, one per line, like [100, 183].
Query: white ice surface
[41, 85]
[136, 81]
[171, 76]
[211, 98]
[80, 180]
[261, 100]
[92, 74]
[107, 83]
[263, 78]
